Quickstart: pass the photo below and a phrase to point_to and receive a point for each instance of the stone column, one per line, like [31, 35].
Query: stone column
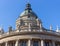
[53, 43]
[39, 43]
[42, 42]
[6, 44]
[17, 42]
[29, 42]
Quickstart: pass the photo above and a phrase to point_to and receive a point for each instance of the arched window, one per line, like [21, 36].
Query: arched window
[35, 43]
[46, 43]
[23, 43]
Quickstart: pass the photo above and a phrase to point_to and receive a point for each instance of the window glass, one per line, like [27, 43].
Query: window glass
[46, 43]
[23, 43]
[35, 43]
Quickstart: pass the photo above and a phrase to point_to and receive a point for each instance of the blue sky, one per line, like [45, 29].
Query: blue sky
[47, 10]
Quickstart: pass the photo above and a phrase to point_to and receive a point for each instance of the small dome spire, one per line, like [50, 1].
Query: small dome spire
[28, 6]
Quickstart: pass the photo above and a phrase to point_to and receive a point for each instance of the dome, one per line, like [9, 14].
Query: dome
[28, 11]
[28, 18]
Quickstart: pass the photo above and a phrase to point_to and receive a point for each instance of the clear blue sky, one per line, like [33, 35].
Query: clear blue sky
[47, 10]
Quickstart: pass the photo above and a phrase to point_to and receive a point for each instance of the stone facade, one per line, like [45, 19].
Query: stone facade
[29, 32]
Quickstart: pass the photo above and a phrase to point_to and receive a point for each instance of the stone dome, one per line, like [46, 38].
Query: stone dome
[28, 18]
[28, 11]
